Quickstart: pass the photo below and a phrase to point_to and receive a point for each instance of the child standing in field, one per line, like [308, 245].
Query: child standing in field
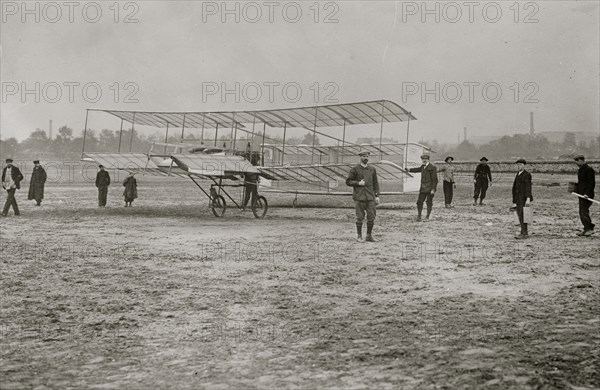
[130, 193]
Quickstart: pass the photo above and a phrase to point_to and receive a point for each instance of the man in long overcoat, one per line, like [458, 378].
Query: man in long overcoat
[102, 183]
[36, 183]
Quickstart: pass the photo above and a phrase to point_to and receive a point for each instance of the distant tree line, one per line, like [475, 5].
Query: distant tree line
[533, 147]
[66, 146]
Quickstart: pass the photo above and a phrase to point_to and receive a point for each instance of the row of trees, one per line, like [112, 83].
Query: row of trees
[535, 147]
[67, 146]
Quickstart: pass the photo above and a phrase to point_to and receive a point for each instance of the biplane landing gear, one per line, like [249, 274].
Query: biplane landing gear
[218, 206]
[260, 207]
[217, 203]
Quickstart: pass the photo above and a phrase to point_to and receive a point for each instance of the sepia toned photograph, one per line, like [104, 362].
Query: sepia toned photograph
[300, 195]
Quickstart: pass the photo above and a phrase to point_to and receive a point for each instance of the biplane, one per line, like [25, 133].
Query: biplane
[226, 167]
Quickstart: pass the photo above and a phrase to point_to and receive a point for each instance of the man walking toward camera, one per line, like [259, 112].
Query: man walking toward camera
[429, 183]
[521, 195]
[482, 180]
[11, 182]
[586, 182]
[363, 178]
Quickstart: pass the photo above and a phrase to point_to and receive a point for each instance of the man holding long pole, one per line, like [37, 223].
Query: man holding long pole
[586, 182]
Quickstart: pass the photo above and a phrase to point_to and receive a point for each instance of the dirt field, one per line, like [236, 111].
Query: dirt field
[164, 295]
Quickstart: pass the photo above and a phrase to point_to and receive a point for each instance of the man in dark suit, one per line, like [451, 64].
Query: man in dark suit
[521, 195]
[11, 182]
[429, 182]
[482, 179]
[363, 178]
[586, 182]
[102, 183]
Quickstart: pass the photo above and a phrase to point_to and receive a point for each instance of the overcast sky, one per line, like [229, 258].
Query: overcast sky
[541, 56]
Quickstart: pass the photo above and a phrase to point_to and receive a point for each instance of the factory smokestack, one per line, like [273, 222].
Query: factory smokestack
[465, 134]
[531, 128]
[50, 130]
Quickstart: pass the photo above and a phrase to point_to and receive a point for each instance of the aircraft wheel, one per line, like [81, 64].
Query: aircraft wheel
[260, 207]
[218, 206]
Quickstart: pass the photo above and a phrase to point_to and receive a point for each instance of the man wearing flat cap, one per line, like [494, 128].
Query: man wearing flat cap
[482, 180]
[102, 183]
[11, 182]
[521, 195]
[429, 182]
[363, 178]
[37, 183]
[449, 183]
[586, 183]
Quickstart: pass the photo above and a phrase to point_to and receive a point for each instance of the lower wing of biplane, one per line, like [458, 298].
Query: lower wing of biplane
[331, 174]
[220, 171]
[229, 170]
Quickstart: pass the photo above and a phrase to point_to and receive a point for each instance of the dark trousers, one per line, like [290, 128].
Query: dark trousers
[250, 188]
[422, 197]
[584, 214]
[448, 192]
[11, 201]
[365, 207]
[481, 186]
[521, 218]
[102, 194]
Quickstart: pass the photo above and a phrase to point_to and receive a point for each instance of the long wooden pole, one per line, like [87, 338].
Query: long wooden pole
[406, 146]
[132, 130]
[120, 135]
[343, 139]
[262, 146]
[84, 131]
[381, 130]
[283, 150]
[166, 137]
[314, 136]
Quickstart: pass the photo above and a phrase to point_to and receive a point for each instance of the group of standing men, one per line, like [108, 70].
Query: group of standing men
[12, 177]
[363, 178]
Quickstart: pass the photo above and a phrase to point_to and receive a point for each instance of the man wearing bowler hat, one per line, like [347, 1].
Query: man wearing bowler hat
[36, 183]
[586, 183]
[482, 179]
[102, 183]
[449, 183]
[429, 182]
[363, 178]
[521, 195]
[11, 182]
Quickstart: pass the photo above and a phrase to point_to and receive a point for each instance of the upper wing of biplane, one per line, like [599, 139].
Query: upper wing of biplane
[384, 149]
[386, 170]
[367, 112]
